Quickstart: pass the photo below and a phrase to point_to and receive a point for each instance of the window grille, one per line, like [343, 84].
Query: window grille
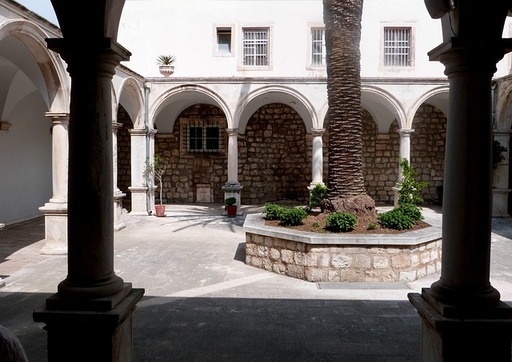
[204, 138]
[397, 47]
[255, 45]
[318, 47]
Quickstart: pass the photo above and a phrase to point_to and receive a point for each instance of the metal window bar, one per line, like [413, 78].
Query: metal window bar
[204, 138]
[397, 47]
[255, 44]
[318, 52]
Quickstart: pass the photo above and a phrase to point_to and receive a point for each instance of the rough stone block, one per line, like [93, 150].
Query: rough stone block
[407, 276]
[362, 261]
[274, 254]
[341, 261]
[401, 261]
[380, 262]
[287, 256]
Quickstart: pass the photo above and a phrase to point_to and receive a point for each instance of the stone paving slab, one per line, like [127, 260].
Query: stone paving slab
[202, 303]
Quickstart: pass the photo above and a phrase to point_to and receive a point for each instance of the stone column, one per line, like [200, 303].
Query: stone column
[500, 189]
[93, 306]
[317, 158]
[118, 195]
[463, 317]
[55, 211]
[139, 188]
[405, 152]
[232, 188]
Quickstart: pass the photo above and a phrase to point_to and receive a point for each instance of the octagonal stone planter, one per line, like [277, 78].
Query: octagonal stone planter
[328, 257]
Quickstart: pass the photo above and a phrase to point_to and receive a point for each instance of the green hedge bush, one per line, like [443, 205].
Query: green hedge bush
[292, 216]
[272, 211]
[341, 222]
[396, 219]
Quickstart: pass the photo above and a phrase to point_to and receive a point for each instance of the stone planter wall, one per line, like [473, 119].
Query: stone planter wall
[343, 258]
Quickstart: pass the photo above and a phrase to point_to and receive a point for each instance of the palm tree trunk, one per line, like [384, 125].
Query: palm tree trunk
[345, 174]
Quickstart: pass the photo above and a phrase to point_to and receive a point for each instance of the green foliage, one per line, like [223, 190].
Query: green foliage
[497, 150]
[230, 201]
[396, 219]
[317, 195]
[412, 211]
[341, 222]
[372, 226]
[410, 188]
[272, 211]
[292, 216]
[157, 168]
[165, 59]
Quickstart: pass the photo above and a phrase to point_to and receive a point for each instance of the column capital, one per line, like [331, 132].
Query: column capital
[138, 132]
[116, 126]
[58, 117]
[232, 131]
[405, 132]
[79, 53]
[462, 54]
[317, 132]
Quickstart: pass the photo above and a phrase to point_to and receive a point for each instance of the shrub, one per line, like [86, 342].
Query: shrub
[317, 195]
[292, 216]
[341, 222]
[396, 219]
[410, 189]
[413, 211]
[272, 211]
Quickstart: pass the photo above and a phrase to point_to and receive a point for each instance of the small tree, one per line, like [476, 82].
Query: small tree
[157, 169]
[410, 188]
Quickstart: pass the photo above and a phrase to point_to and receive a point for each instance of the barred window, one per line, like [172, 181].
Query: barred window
[203, 138]
[255, 47]
[397, 47]
[318, 51]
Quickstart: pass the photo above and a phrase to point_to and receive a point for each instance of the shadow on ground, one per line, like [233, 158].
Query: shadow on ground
[242, 329]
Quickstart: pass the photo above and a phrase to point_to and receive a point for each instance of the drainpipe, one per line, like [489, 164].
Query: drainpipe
[148, 132]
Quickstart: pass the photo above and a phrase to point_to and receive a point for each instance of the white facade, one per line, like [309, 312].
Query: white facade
[35, 88]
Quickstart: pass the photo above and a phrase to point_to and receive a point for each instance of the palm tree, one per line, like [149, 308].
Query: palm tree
[346, 190]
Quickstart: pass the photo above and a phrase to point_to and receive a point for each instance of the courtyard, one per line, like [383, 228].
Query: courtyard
[203, 303]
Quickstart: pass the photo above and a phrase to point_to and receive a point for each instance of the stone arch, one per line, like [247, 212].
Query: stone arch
[428, 142]
[503, 107]
[132, 100]
[383, 107]
[437, 97]
[275, 94]
[169, 105]
[53, 82]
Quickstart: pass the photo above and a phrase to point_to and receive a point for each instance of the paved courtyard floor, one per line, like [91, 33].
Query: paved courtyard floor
[202, 303]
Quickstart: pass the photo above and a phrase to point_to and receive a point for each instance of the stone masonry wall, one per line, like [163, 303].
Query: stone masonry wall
[124, 156]
[274, 156]
[189, 170]
[338, 263]
[427, 150]
[381, 152]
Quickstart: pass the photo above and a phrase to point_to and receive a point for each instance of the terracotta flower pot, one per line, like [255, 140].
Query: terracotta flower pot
[231, 210]
[160, 210]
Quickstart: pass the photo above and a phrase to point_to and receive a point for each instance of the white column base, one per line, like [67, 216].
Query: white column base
[500, 202]
[56, 228]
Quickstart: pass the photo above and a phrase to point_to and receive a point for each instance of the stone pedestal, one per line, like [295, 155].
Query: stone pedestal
[452, 333]
[55, 228]
[89, 335]
[233, 190]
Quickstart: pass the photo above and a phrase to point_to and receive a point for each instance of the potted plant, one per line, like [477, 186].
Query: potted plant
[158, 168]
[231, 208]
[165, 64]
